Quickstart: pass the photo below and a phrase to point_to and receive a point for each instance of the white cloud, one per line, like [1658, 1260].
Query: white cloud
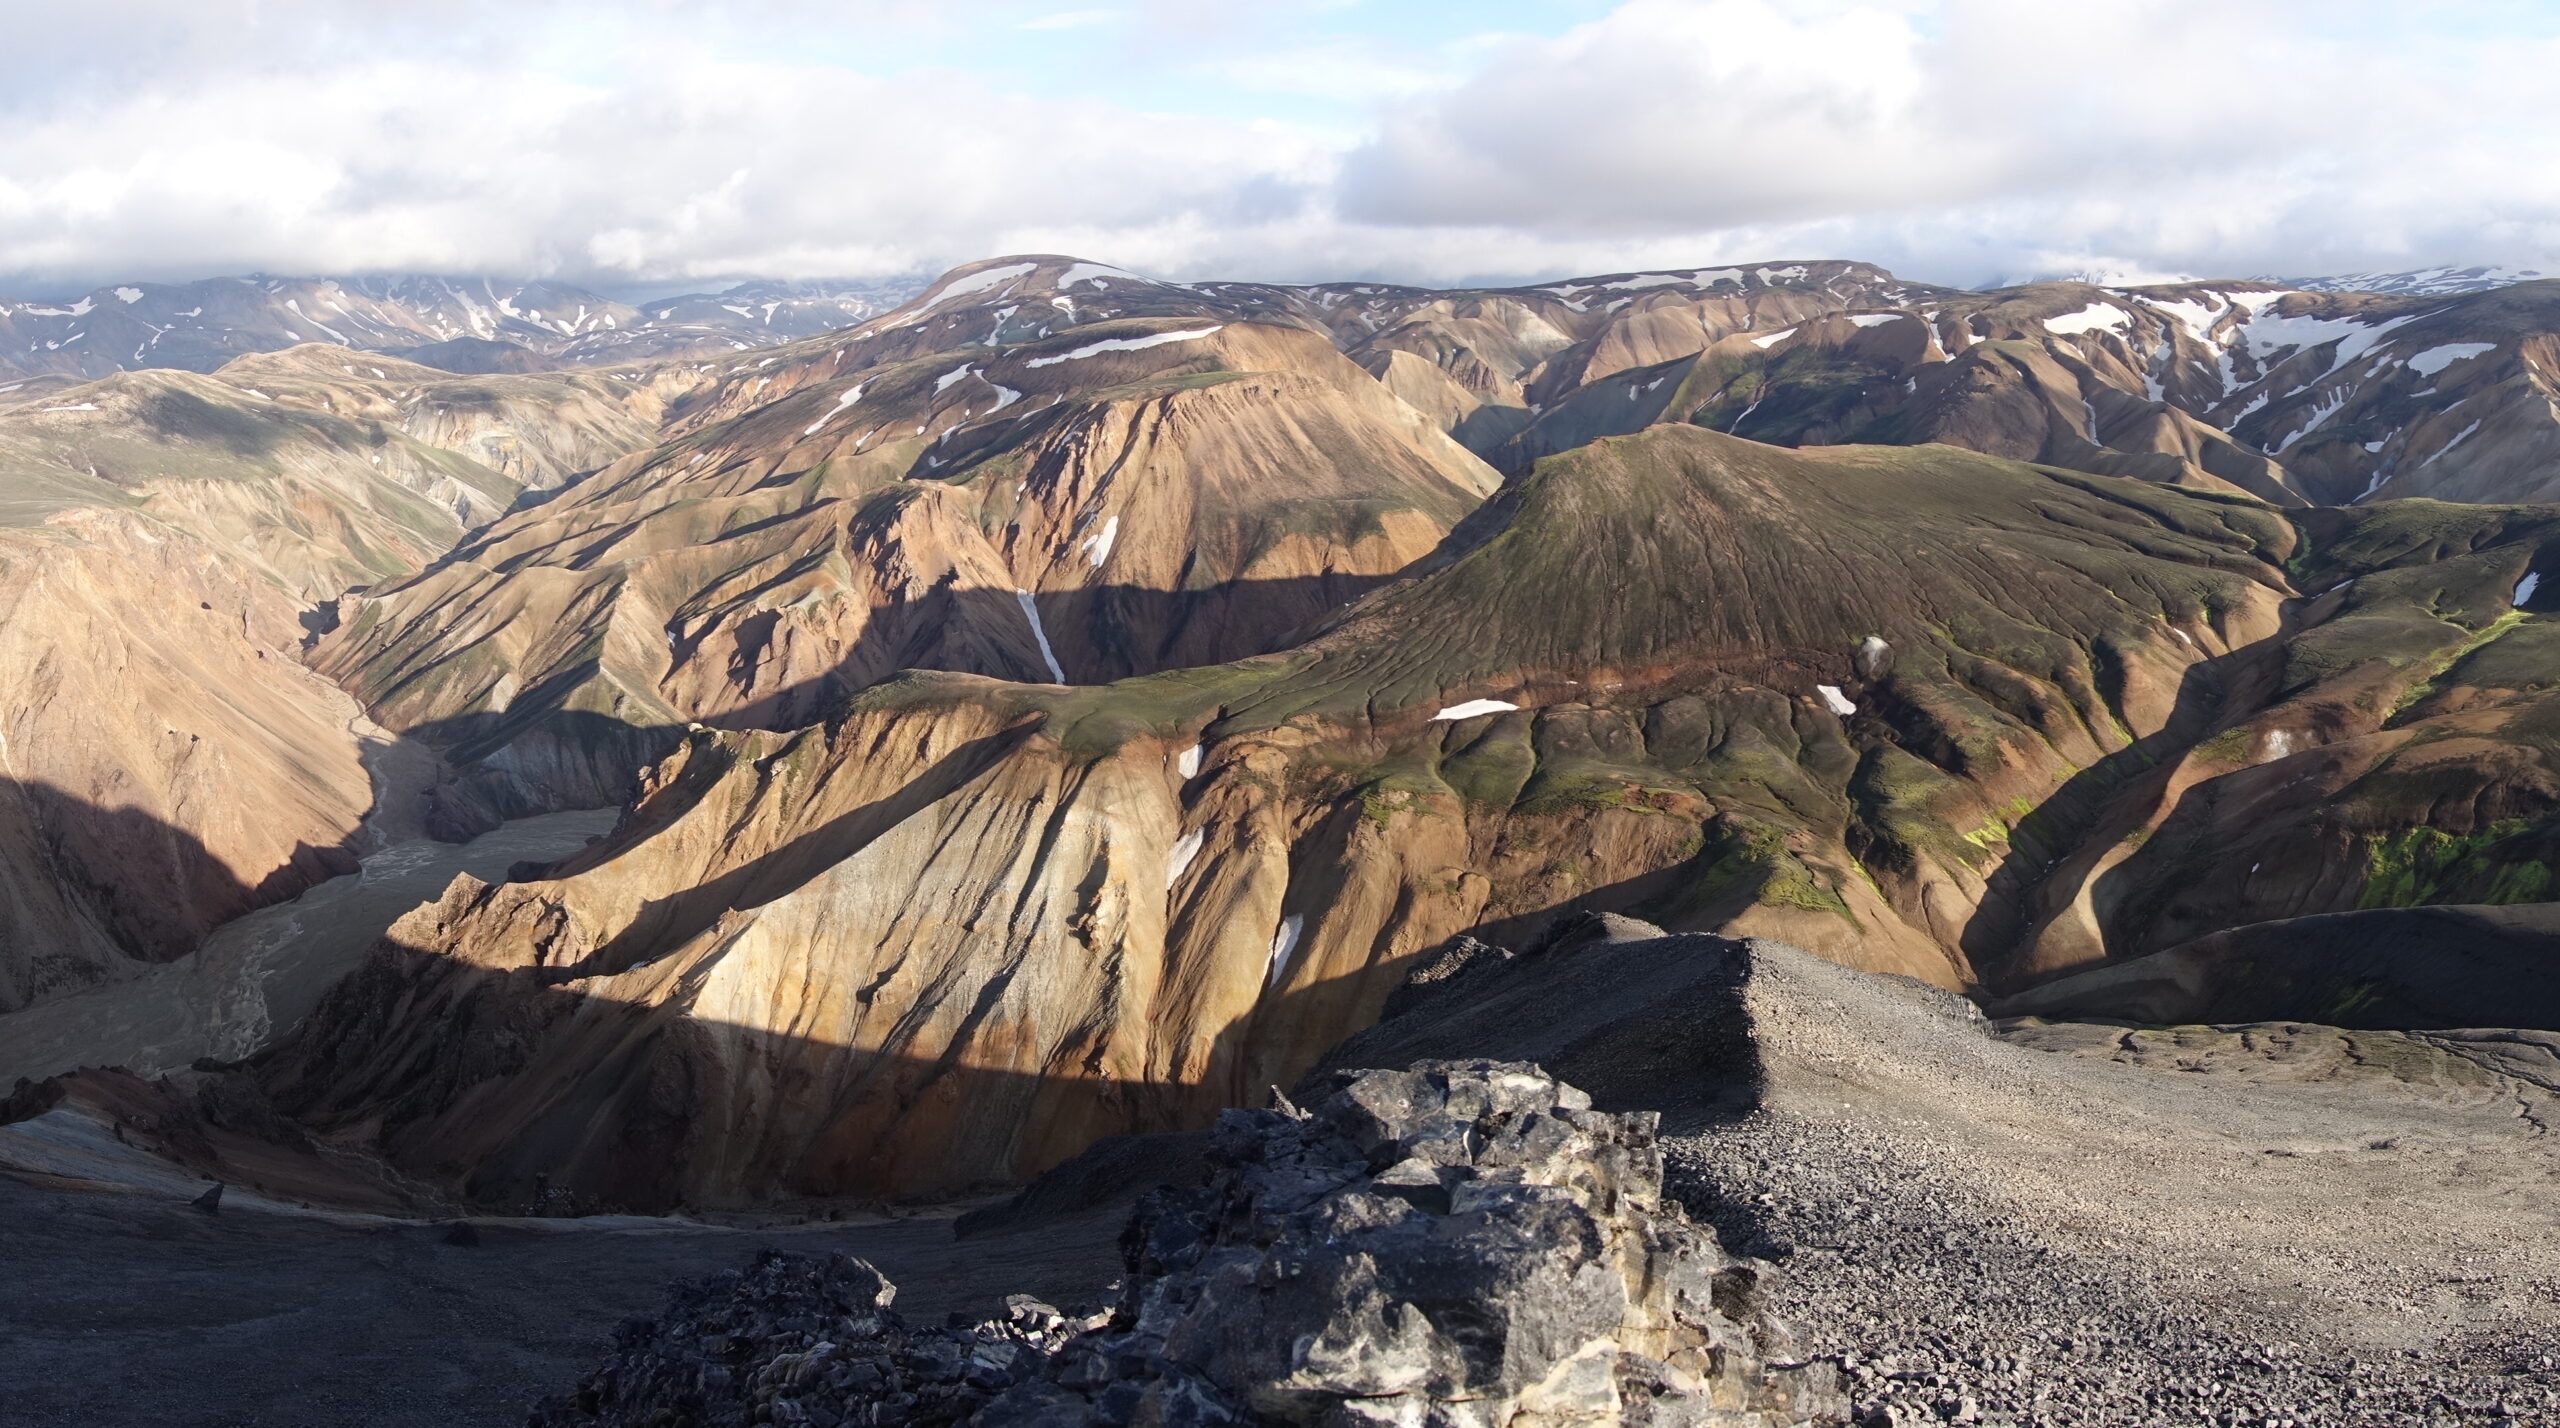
[1073, 20]
[2221, 135]
[1958, 140]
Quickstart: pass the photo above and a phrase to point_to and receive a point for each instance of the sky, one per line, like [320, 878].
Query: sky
[658, 143]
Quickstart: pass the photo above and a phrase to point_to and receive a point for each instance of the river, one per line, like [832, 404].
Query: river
[255, 976]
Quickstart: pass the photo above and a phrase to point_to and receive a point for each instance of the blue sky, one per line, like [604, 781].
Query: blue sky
[657, 142]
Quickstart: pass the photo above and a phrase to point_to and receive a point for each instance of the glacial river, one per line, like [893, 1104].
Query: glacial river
[255, 976]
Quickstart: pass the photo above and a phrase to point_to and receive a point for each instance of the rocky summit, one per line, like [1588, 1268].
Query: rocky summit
[1460, 1243]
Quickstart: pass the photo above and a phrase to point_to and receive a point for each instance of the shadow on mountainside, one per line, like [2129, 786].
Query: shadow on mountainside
[1097, 634]
[2053, 837]
[541, 755]
[81, 883]
[516, 1093]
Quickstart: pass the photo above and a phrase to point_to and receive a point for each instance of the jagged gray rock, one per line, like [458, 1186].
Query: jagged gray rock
[1457, 1245]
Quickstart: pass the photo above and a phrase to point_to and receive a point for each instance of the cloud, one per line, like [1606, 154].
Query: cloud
[2213, 136]
[664, 140]
[1073, 20]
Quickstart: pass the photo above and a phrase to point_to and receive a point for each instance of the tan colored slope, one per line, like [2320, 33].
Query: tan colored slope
[537, 430]
[918, 951]
[165, 763]
[169, 764]
[1157, 494]
[963, 926]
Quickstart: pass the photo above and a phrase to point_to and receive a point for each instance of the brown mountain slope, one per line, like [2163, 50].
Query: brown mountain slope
[1119, 499]
[962, 926]
[168, 763]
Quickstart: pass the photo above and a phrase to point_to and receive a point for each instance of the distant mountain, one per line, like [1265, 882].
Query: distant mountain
[461, 324]
[2421, 282]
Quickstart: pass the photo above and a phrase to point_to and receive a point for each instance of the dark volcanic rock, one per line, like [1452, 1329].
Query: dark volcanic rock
[1462, 1243]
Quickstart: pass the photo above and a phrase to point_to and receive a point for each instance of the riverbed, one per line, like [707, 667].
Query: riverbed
[256, 975]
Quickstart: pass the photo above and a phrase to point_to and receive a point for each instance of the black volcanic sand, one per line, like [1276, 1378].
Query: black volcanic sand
[124, 1310]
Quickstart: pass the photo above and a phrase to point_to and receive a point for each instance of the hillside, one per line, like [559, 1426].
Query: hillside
[1902, 706]
[1072, 700]
[165, 541]
[1119, 499]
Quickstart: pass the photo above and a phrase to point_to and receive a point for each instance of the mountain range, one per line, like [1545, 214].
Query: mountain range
[1068, 702]
[459, 324]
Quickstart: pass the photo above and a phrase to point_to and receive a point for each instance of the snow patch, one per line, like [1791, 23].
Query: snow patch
[1098, 545]
[1187, 763]
[2436, 359]
[1835, 701]
[2196, 317]
[1178, 862]
[1284, 942]
[128, 294]
[1773, 339]
[2464, 436]
[943, 383]
[1049, 657]
[83, 407]
[1877, 319]
[1125, 344]
[1871, 652]
[2320, 413]
[2524, 588]
[2265, 335]
[1095, 273]
[974, 283]
[2097, 316]
[1473, 708]
[848, 399]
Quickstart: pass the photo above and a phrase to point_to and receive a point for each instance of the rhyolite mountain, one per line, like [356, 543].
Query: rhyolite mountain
[1129, 497]
[1042, 453]
[459, 324]
[1924, 711]
[167, 762]
[1071, 702]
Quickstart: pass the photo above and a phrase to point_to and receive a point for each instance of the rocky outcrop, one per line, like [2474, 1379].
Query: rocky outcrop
[1460, 1243]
